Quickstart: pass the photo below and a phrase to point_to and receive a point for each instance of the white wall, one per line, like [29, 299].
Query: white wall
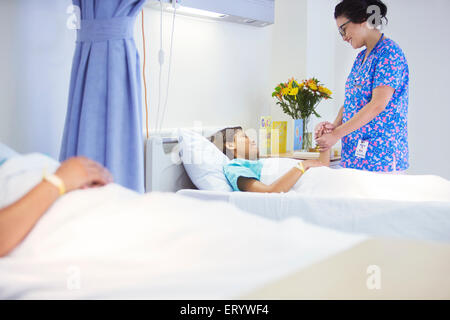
[303, 45]
[7, 96]
[37, 50]
[219, 71]
[422, 31]
[423, 34]
[321, 46]
[289, 38]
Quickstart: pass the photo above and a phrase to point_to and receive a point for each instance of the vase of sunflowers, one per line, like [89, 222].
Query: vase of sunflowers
[300, 100]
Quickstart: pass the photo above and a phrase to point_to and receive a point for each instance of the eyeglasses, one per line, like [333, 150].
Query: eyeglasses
[341, 30]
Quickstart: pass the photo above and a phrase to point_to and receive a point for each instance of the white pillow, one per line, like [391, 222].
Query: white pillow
[203, 161]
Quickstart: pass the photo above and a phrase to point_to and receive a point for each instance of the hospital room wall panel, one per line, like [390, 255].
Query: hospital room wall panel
[38, 50]
[322, 36]
[289, 54]
[7, 97]
[423, 34]
[219, 71]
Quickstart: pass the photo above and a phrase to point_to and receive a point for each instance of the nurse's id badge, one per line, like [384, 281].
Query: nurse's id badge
[361, 149]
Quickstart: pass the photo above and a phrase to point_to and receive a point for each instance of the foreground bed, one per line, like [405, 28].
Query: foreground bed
[113, 243]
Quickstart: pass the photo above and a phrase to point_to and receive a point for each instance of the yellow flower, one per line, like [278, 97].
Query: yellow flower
[301, 85]
[291, 81]
[312, 85]
[285, 91]
[293, 92]
[325, 90]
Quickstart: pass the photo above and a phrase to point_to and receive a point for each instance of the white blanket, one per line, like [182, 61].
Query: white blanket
[358, 184]
[357, 201]
[113, 243]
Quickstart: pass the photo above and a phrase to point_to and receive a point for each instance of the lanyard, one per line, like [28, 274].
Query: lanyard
[364, 62]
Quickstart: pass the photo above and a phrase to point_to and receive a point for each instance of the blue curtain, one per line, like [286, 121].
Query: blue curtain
[104, 115]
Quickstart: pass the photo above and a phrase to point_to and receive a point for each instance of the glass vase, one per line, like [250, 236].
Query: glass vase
[307, 136]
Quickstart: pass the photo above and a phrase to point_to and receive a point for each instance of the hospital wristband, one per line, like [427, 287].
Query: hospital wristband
[300, 166]
[57, 182]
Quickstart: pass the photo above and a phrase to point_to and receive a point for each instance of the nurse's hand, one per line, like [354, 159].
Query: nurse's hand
[323, 128]
[81, 173]
[326, 141]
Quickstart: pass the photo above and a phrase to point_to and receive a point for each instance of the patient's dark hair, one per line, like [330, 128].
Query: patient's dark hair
[356, 10]
[222, 136]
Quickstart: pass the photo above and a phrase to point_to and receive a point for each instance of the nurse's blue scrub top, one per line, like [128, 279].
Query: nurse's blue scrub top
[386, 134]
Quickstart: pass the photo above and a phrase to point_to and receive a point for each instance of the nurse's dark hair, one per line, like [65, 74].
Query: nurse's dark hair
[222, 136]
[356, 10]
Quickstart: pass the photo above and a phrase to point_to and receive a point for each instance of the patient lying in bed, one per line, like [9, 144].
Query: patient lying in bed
[314, 177]
[19, 217]
[244, 171]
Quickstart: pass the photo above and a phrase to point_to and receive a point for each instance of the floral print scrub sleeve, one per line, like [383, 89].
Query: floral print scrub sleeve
[382, 144]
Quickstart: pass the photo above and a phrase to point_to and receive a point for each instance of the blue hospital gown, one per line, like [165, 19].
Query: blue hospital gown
[6, 153]
[237, 168]
[387, 134]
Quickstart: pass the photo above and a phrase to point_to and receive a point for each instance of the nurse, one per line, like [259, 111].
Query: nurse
[372, 123]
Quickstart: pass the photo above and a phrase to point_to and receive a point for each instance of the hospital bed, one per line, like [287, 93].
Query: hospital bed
[406, 219]
[113, 243]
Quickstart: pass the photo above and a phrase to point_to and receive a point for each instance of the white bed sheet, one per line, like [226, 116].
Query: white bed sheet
[403, 219]
[111, 243]
[416, 207]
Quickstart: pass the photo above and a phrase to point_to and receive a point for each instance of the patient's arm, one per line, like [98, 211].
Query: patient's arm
[324, 157]
[18, 219]
[283, 184]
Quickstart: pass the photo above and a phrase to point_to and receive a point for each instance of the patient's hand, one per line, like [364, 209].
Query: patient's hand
[81, 172]
[323, 128]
